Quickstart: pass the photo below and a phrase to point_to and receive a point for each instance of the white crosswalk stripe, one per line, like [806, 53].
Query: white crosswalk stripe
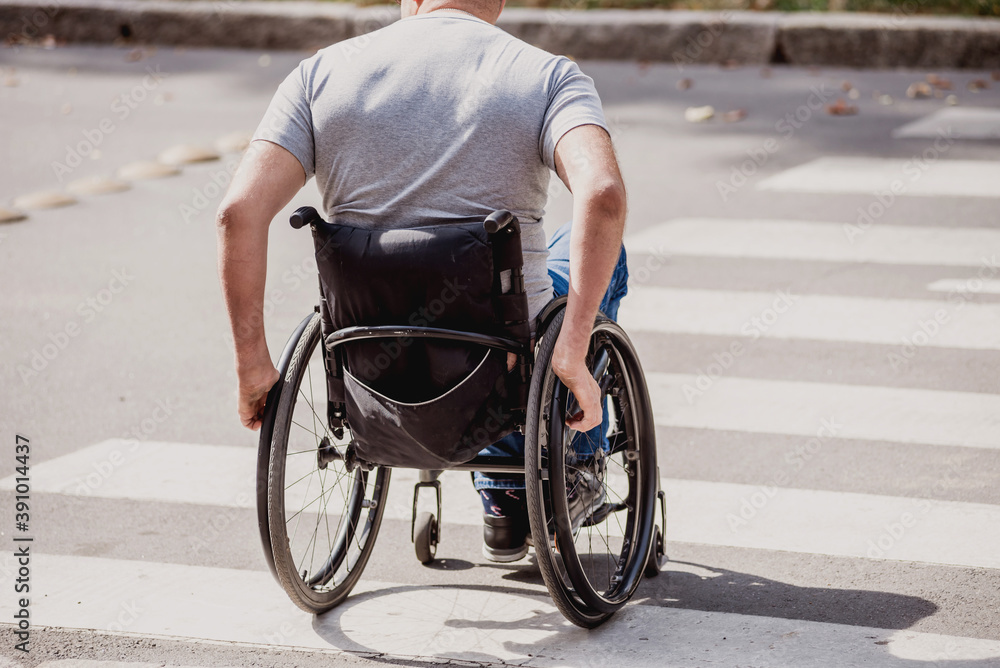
[783, 314]
[965, 286]
[711, 513]
[925, 175]
[234, 606]
[826, 242]
[843, 411]
[961, 122]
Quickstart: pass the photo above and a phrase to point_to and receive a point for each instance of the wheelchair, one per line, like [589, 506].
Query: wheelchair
[404, 363]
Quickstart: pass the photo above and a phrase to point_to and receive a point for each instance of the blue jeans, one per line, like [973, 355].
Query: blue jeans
[512, 445]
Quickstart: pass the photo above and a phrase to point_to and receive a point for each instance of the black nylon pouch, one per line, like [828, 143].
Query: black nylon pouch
[416, 403]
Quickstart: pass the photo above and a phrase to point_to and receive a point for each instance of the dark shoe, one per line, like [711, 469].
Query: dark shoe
[505, 524]
[585, 491]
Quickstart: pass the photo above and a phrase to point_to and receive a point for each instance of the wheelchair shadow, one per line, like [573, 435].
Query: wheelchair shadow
[692, 586]
[664, 625]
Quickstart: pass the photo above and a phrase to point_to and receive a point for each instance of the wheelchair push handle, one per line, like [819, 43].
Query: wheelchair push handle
[304, 215]
[498, 220]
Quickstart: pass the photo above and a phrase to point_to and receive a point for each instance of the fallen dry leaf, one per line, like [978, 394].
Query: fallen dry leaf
[977, 85]
[846, 86]
[918, 90]
[939, 82]
[734, 115]
[885, 100]
[684, 84]
[134, 55]
[841, 108]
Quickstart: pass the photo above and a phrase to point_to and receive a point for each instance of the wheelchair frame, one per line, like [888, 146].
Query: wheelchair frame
[494, 224]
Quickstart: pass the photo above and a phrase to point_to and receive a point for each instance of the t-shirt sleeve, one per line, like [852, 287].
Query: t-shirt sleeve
[573, 101]
[288, 120]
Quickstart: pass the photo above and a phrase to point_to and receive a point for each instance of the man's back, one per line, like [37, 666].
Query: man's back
[434, 118]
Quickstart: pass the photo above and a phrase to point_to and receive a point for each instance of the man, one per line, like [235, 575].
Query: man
[439, 116]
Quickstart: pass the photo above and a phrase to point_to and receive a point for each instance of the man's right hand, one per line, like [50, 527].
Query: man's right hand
[569, 364]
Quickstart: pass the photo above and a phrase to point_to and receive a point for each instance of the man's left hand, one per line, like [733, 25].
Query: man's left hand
[252, 393]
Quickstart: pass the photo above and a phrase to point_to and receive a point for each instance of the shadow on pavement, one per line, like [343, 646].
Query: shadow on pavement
[721, 590]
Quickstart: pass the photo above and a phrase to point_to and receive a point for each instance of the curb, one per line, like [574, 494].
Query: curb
[680, 37]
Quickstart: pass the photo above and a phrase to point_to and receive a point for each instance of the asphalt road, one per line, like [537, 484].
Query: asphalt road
[116, 303]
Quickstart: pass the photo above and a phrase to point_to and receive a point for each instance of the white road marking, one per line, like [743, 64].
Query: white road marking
[962, 122]
[966, 286]
[783, 315]
[247, 607]
[825, 242]
[899, 415]
[929, 176]
[725, 514]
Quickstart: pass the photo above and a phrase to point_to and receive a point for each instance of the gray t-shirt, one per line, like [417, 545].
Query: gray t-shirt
[437, 117]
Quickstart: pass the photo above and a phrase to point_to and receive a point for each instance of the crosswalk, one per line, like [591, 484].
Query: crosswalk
[774, 516]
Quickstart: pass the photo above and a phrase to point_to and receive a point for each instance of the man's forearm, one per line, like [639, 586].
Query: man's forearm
[595, 244]
[242, 272]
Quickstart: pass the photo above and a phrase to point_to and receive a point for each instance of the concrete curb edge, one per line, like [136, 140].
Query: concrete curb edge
[680, 37]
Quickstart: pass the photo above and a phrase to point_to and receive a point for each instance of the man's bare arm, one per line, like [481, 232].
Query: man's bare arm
[267, 179]
[586, 163]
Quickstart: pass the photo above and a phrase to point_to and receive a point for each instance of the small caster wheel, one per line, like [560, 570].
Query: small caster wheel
[425, 537]
[657, 555]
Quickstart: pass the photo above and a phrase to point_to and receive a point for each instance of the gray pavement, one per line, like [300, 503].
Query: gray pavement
[154, 363]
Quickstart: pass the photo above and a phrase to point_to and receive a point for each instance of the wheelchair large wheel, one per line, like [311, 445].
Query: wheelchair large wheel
[323, 514]
[592, 508]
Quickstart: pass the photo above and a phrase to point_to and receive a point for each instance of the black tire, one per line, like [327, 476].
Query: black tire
[589, 585]
[317, 570]
[425, 537]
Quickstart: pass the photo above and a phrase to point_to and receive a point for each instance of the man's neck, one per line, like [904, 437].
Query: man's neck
[448, 7]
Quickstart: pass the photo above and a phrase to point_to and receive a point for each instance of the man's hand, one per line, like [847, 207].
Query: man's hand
[254, 384]
[569, 363]
[265, 182]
